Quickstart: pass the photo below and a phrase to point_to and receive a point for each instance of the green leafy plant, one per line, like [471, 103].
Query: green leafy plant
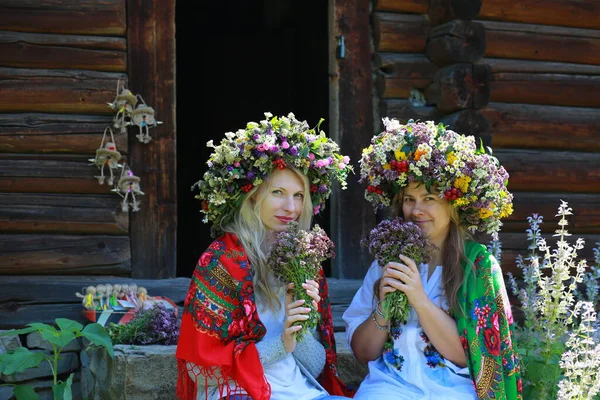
[22, 358]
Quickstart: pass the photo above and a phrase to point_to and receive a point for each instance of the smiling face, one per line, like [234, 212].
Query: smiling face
[430, 212]
[283, 201]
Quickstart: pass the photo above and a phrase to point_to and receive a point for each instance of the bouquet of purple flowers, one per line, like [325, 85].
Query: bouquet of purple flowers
[295, 257]
[386, 242]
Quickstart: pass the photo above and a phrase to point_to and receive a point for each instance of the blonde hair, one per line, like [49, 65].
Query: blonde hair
[247, 225]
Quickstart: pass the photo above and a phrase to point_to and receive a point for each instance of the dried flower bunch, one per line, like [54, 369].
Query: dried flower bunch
[295, 257]
[244, 159]
[472, 181]
[386, 242]
[156, 325]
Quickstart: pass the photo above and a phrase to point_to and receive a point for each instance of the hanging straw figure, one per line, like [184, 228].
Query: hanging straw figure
[124, 104]
[89, 297]
[107, 156]
[128, 185]
[143, 117]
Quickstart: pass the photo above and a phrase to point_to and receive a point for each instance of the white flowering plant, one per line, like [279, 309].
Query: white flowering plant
[244, 159]
[472, 180]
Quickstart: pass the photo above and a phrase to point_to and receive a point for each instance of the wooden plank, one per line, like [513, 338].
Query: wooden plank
[536, 42]
[585, 218]
[575, 13]
[355, 125]
[53, 185]
[88, 17]
[14, 315]
[456, 41]
[60, 91]
[72, 214]
[399, 73]
[551, 171]
[47, 166]
[542, 126]
[64, 254]
[403, 110]
[460, 86]
[403, 33]
[402, 6]
[509, 65]
[151, 44]
[441, 11]
[548, 89]
[34, 50]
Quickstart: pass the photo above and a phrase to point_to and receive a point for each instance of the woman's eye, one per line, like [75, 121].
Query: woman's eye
[277, 191]
[299, 195]
[406, 200]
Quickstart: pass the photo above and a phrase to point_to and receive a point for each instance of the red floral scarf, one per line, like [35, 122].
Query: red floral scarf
[220, 326]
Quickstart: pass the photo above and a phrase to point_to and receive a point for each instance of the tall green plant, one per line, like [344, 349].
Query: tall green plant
[22, 358]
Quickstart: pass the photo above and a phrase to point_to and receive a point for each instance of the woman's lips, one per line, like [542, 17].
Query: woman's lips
[284, 220]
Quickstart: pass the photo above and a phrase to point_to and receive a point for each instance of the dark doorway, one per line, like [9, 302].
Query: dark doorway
[237, 59]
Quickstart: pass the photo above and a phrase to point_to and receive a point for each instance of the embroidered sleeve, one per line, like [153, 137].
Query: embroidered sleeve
[270, 350]
[311, 353]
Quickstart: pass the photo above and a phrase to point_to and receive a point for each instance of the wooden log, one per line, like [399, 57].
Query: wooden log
[401, 33]
[47, 166]
[15, 316]
[399, 73]
[542, 126]
[401, 6]
[547, 89]
[34, 50]
[441, 11]
[509, 65]
[542, 43]
[29, 254]
[551, 171]
[53, 185]
[87, 17]
[469, 122]
[575, 13]
[60, 91]
[460, 86]
[585, 218]
[72, 214]
[403, 110]
[456, 41]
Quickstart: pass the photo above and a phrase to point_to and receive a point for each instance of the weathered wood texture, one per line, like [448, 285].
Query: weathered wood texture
[29, 254]
[398, 73]
[460, 86]
[551, 171]
[542, 126]
[88, 17]
[72, 214]
[403, 110]
[574, 13]
[539, 42]
[34, 50]
[400, 32]
[55, 133]
[352, 216]
[456, 41]
[30, 299]
[585, 218]
[341, 292]
[59, 91]
[151, 54]
[441, 11]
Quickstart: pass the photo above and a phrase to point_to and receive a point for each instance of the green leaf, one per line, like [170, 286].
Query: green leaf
[42, 327]
[68, 325]
[18, 331]
[62, 390]
[19, 360]
[26, 393]
[60, 339]
[96, 334]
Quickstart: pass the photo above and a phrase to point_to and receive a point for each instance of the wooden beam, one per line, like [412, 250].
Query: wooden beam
[575, 13]
[456, 41]
[547, 89]
[441, 11]
[151, 52]
[402, 6]
[402, 33]
[72, 214]
[34, 50]
[403, 110]
[542, 43]
[460, 86]
[29, 254]
[542, 126]
[551, 171]
[549, 67]
[60, 91]
[468, 122]
[86, 17]
[399, 73]
[53, 185]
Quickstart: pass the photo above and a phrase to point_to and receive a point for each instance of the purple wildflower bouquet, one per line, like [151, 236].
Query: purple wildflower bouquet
[386, 242]
[295, 257]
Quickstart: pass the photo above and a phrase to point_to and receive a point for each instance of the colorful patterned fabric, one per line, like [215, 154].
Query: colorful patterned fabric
[486, 327]
[220, 327]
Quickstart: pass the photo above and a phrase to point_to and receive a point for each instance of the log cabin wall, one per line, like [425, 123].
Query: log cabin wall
[522, 75]
[59, 66]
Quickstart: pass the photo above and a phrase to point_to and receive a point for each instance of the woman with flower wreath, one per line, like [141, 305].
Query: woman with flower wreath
[457, 342]
[237, 339]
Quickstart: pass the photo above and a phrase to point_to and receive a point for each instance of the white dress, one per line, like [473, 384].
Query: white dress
[414, 369]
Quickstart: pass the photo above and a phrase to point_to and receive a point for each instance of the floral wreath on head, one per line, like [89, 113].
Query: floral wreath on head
[472, 181]
[245, 158]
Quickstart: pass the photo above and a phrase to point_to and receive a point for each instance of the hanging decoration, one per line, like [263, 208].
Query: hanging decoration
[143, 118]
[107, 156]
[128, 185]
[124, 103]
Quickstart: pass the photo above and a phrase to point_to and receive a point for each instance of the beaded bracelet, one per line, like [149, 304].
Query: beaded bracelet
[380, 327]
[378, 310]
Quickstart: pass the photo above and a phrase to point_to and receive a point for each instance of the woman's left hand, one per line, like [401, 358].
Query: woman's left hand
[408, 279]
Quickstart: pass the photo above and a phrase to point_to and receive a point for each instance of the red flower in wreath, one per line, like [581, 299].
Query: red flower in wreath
[492, 341]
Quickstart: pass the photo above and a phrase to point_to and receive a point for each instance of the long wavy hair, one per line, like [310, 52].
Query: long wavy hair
[247, 225]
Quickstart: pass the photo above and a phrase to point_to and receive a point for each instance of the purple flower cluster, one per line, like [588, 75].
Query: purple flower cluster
[156, 325]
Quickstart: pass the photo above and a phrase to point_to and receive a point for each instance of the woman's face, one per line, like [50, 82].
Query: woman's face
[430, 212]
[284, 200]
